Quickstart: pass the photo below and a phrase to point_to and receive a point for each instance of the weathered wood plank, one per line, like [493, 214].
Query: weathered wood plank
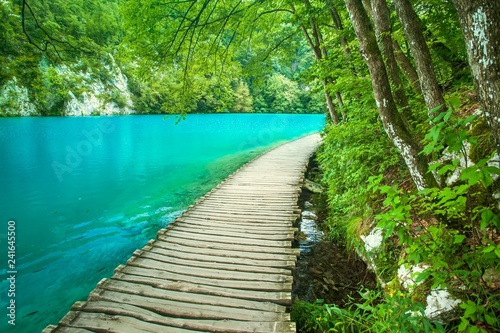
[101, 322]
[235, 225]
[284, 221]
[223, 246]
[255, 213]
[125, 287]
[206, 272]
[210, 258]
[199, 325]
[186, 310]
[215, 197]
[243, 233]
[57, 329]
[226, 239]
[248, 206]
[235, 284]
[241, 267]
[234, 253]
[283, 298]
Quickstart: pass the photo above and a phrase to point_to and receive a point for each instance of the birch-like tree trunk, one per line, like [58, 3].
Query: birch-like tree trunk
[391, 119]
[314, 39]
[382, 23]
[480, 23]
[423, 61]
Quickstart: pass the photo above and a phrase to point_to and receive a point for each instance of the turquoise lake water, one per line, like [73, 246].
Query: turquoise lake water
[85, 192]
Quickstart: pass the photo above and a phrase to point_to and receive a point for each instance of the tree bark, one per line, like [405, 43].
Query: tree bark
[382, 23]
[480, 23]
[391, 119]
[341, 105]
[425, 70]
[407, 68]
[339, 26]
[331, 106]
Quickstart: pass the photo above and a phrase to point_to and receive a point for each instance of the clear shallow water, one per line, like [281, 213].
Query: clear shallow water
[85, 192]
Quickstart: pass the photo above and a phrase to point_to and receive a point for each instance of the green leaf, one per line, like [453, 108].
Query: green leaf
[423, 275]
[458, 239]
[490, 320]
[445, 169]
[473, 329]
[486, 217]
[489, 249]
[434, 166]
[455, 102]
[497, 251]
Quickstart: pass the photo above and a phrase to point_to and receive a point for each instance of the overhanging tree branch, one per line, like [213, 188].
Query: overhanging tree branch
[48, 39]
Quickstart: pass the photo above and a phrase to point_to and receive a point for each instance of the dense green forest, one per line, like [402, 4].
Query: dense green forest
[58, 57]
[410, 155]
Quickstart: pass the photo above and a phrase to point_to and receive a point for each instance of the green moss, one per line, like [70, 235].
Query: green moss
[419, 292]
[485, 146]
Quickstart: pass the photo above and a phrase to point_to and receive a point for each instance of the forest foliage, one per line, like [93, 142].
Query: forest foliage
[410, 148]
[69, 46]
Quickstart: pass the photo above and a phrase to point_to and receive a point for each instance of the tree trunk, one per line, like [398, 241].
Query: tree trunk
[331, 106]
[392, 121]
[382, 22]
[341, 105]
[480, 23]
[407, 68]
[420, 51]
[319, 53]
[337, 21]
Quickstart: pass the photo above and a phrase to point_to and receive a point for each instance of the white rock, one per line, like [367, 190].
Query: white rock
[373, 240]
[407, 276]
[309, 215]
[15, 95]
[439, 301]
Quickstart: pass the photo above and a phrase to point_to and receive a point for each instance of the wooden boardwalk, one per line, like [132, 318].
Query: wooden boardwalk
[225, 265]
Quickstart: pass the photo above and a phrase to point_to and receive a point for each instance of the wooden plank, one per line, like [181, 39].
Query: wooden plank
[232, 247]
[248, 206]
[173, 232]
[235, 284]
[207, 272]
[194, 324]
[100, 322]
[57, 329]
[283, 298]
[186, 297]
[222, 197]
[275, 236]
[257, 213]
[186, 310]
[257, 192]
[210, 258]
[244, 218]
[240, 267]
[224, 252]
[251, 226]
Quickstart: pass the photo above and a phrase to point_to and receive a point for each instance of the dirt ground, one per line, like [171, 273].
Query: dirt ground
[328, 271]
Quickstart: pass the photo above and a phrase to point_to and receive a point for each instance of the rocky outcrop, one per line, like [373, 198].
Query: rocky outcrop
[84, 93]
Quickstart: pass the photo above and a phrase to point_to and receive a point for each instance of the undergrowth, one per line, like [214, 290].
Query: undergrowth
[450, 232]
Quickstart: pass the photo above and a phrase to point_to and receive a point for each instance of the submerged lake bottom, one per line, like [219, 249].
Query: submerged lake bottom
[85, 192]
